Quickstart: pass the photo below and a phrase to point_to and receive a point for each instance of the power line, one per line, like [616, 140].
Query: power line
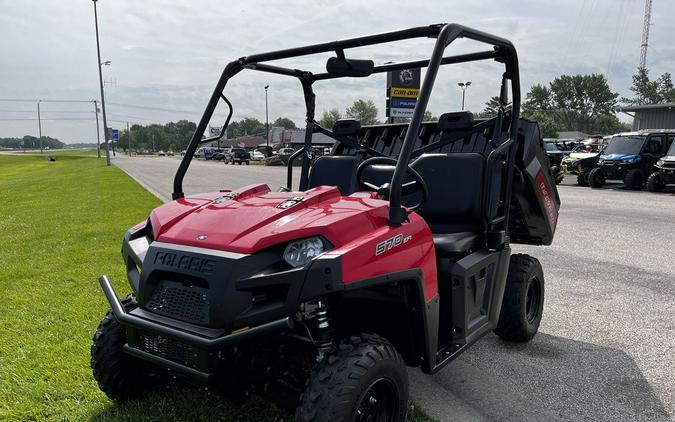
[47, 111]
[18, 100]
[155, 108]
[43, 118]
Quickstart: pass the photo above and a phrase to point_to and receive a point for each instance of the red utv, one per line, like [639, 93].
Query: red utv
[394, 251]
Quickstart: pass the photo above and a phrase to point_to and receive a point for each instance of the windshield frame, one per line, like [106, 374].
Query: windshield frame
[671, 150]
[621, 139]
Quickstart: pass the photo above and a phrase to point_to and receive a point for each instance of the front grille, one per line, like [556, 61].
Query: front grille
[608, 163]
[168, 348]
[186, 303]
[669, 165]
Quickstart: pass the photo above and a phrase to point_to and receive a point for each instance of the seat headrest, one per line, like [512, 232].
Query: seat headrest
[456, 120]
[346, 127]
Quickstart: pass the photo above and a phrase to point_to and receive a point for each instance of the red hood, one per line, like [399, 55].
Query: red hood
[253, 218]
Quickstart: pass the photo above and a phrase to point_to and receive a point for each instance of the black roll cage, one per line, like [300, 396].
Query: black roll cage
[502, 51]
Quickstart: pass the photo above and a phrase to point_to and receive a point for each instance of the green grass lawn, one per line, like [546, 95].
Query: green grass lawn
[61, 225]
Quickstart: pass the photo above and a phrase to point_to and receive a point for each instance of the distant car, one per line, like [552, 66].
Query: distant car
[265, 150]
[161, 154]
[182, 153]
[285, 151]
[257, 155]
[199, 153]
[170, 153]
[218, 154]
[237, 156]
[555, 155]
[208, 153]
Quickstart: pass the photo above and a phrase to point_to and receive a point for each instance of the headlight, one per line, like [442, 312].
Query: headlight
[601, 161]
[300, 252]
[660, 163]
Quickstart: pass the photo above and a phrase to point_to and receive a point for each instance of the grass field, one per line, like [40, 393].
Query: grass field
[61, 225]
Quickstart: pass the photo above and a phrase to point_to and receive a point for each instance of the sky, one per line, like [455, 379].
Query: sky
[166, 57]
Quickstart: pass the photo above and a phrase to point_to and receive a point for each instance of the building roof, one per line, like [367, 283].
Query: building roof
[667, 106]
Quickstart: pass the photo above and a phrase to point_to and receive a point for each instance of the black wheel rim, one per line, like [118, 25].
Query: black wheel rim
[379, 404]
[533, 300]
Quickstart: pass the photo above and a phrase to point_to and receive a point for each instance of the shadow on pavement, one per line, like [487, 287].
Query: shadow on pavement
[551, 378]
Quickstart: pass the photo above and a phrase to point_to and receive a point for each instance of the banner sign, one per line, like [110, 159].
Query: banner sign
[403, 88]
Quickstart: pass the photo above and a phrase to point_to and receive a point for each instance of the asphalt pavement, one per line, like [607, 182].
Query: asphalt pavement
[606, 346]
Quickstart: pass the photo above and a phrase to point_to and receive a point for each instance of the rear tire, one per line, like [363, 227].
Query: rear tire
[634, 179]
[582, 178]
[364, 379]
[119, 376]
[523, 302]
[596, 179]
[246, 162]
[654, 182]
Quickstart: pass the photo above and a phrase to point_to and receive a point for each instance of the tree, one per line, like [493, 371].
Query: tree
[247, 126]
[646, 91]
[429, 117]
[574, 102]
[329, 118]
[363, 110]
[284, 122]
[491, 108]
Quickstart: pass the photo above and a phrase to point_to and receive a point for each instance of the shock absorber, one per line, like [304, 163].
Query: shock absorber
[324, 337]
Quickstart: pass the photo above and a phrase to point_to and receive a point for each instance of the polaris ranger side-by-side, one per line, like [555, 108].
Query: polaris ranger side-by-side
[394, 251]
[630, 157]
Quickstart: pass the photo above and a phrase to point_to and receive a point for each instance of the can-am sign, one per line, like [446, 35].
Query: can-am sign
[403, 87]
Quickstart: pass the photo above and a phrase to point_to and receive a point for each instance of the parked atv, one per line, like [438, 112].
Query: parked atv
[630, 157]
[394, 251]
[665, 170]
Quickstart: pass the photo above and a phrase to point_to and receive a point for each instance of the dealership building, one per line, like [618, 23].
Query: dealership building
[651, 116]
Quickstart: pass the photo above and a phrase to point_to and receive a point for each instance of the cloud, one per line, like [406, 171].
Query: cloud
[169, 54]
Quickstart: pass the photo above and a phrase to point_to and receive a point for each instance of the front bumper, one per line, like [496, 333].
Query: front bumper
[668, 175]
[615, 171]
[200, 341]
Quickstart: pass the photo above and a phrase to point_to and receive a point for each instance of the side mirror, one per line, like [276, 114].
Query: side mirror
[349, 67]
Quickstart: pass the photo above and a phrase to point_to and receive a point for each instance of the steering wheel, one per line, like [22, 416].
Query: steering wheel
[416, 185]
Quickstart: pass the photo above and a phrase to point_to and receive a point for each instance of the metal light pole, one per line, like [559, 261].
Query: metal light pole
[464, 86]
[100, 81]
[98, 135]
[267, 118]
[39, 126]
[128, 140]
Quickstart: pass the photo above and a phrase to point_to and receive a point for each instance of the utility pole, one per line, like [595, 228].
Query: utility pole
[267, 119]
[153, 142]
[39, 126]
[128, 140]
[645, 34]
[100, 81]
[98, 135]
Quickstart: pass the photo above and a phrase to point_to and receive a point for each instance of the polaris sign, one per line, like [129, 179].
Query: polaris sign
[403, 87]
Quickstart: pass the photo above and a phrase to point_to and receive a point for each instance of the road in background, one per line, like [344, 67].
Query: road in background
[604, 351]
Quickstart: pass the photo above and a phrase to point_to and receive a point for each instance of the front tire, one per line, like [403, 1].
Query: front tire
[634, 179]
[364, 379]
[119, 376]
[596, 179]
[582, 178]
[654, 182]
[523, 302]
[555, 170]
